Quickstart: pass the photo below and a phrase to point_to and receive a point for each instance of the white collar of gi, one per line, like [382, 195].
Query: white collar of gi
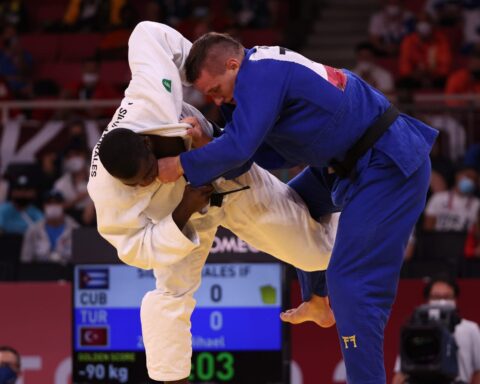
[170, 130]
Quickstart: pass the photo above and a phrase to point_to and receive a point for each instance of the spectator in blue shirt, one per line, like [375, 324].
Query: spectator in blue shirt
[18, 212]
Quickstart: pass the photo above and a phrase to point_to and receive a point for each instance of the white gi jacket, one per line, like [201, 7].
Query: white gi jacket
[138, 222]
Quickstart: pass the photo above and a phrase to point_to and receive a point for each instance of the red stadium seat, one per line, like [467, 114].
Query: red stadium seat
[186, 28]
[77, 47]
[42, 47]
[115, 72]
[460, 61]
[415, 6]
[252, 37]
[32, 3]
[61, 73]
[47, 13]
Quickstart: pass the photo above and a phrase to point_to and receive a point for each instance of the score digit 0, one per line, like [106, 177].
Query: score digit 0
[216, 293]
[216, 321]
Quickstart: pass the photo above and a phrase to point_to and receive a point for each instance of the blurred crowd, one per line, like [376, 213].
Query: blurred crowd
[77, 50]
[435, 48]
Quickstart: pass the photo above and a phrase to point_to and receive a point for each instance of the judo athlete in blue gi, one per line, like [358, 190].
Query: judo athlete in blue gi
[363, 158]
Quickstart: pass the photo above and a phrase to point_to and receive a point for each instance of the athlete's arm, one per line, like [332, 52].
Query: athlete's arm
[259, 94]
[150, 43]
[194, 199]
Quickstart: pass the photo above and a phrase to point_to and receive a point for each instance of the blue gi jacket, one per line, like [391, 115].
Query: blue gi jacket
[290, 110]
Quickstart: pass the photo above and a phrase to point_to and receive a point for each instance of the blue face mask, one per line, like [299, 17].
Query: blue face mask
[466, 186]
[7, 374]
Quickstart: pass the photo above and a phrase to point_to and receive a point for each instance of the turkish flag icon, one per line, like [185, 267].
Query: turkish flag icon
[93, 336]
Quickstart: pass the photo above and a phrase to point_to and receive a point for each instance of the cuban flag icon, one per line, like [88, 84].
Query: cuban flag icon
[93, 278]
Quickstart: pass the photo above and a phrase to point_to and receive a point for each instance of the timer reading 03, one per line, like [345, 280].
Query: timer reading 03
[207, 366]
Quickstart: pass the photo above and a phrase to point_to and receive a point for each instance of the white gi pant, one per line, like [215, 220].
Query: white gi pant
[269, 216]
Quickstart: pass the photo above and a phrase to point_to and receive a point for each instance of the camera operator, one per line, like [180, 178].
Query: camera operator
[466, 334]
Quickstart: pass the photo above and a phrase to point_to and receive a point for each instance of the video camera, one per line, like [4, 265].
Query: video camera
[427, 348]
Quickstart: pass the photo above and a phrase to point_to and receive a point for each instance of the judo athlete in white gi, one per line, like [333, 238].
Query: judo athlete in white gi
[137, 219]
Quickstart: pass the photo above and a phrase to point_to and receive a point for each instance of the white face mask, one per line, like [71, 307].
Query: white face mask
[424, 28]
[90, 78]
[364, 66]
[53, 211]
[75, 164]
[443, 303]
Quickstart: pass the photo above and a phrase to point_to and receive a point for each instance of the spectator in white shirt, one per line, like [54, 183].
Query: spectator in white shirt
[73, 183]
[456, 209]
[369, 71]
[50, 239]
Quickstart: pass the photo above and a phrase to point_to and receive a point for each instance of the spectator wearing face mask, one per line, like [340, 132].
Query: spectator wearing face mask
[465, 80]
[369, 71]
[90, 87]
[9, 365]
[444, 292]
[50, 239]
[388, 27]
[18, 212]
[425, 56]
[73, 183]
[456, 209]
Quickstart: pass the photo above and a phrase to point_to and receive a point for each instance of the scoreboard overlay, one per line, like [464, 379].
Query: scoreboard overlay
[236, 330]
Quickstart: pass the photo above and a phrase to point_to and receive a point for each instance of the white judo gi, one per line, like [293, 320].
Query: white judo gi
[138, 222]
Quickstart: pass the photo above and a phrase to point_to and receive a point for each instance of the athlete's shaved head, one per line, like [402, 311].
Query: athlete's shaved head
[121, 151]
[212, 66]
[211, 52]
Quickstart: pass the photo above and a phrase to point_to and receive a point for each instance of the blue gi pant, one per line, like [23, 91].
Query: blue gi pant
[315, 188]
[379, 209]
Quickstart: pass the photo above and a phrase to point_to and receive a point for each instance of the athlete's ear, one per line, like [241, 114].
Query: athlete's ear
[232, 63]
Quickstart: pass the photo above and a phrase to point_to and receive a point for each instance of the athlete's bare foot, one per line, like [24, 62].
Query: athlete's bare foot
[317, 309]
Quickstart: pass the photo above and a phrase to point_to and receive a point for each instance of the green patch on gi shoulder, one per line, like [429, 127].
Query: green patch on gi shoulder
[167, 84]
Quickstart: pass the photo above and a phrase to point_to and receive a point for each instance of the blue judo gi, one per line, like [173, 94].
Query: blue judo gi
[290, 110]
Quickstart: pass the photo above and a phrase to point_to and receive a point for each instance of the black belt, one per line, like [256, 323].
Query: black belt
[344, 168]
[216, 198]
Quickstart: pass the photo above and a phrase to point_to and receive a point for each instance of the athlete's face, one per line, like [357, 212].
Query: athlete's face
[219, 87]
[146, 174]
